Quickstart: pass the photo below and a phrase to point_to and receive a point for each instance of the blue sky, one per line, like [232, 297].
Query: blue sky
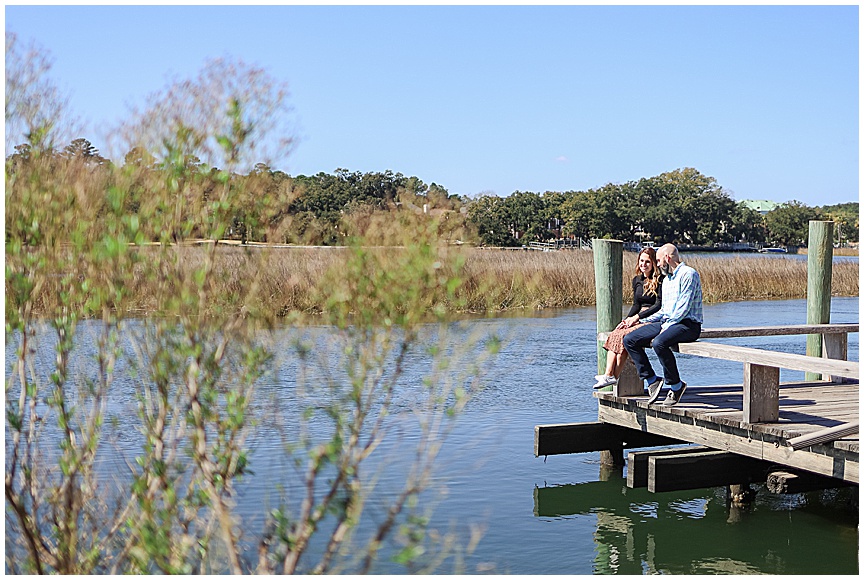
[484, 99]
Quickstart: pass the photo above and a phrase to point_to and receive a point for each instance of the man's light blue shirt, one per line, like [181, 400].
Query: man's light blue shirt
[682, 298]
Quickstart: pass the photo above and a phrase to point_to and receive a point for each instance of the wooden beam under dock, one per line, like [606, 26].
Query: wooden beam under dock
[592, 436]
[637, 462]
[700, 469]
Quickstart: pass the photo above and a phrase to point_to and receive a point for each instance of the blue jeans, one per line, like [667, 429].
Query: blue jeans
[664, 343]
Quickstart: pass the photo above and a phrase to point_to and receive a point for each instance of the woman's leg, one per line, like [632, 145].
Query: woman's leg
[611, 364]
[620, 359]
[615, 363]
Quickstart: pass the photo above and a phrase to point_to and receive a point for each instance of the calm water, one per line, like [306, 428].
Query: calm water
[563, 514]
[559, 516]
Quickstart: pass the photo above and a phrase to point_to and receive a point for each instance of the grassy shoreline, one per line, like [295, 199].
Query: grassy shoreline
[293, 280]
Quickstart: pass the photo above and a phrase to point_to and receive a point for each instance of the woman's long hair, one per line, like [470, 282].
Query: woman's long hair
[652, 280]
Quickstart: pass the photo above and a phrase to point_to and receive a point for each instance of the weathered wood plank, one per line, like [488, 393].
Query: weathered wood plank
[744, 331]
[791, 423]
[810, 398]
[637, 462]
[594, 436]
[834, 346]
[824, 435]
[771, 358]
[820, 251]
[850, 445]
[761, 394]
[629, 384]
[703, 469]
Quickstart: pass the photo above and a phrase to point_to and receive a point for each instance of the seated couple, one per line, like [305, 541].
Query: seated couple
[665, 313]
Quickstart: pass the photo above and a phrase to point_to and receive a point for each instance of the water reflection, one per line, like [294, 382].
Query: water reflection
[701, 532]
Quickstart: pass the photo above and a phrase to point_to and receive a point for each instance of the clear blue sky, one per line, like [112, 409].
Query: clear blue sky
[505, 98]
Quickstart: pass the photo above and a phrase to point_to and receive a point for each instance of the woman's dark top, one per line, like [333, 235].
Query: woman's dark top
[641, 300]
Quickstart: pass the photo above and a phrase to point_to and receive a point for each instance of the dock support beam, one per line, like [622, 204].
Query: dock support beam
[820, 254]
[637, 462]
[584, 437]
[702, 469]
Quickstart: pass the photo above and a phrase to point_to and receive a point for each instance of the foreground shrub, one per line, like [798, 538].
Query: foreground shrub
[136, 363]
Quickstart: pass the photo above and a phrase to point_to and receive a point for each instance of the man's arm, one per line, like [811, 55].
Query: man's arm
[656, 317]
[689, 283]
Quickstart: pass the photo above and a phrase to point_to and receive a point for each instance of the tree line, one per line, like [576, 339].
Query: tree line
[682, 206]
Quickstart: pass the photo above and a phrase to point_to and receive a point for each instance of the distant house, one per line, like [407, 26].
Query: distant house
[763, 206]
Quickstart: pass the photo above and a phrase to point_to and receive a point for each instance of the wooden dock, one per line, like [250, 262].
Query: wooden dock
[713, 417]
[793, 436]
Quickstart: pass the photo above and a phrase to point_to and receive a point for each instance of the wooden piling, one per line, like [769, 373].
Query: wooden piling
[608, 272]
[608, 276]
[820, 254]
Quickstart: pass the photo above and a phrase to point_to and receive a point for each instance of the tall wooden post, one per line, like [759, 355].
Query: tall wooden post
[820, 255]
[608, 271]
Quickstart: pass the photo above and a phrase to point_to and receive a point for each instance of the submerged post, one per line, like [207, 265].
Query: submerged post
[820, 254]
[608, 271]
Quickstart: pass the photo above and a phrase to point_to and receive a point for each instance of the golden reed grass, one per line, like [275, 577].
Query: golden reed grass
[289, 279]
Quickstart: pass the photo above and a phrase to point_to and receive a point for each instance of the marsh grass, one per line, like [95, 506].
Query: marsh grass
[844, 251]
[293, 279]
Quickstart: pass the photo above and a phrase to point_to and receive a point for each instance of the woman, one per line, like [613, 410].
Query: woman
[646, 301]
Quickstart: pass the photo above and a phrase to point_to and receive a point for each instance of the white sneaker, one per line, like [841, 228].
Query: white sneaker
[605, 381]
[599, 377]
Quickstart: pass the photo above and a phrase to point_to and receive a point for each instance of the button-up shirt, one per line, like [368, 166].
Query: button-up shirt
[682, 298]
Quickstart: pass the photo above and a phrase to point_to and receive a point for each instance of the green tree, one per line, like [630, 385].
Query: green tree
[580, 212]
[553, 214]
[746, 225]
[698, 208]
[845, 216]
[788, 224]
[488, 214]
[648, 209]
[524, 214]
[598, 213]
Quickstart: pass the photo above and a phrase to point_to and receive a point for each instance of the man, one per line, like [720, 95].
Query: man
[679, 320]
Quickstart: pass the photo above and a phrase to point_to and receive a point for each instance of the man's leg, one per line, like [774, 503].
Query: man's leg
[635, 343]
[686, 331]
